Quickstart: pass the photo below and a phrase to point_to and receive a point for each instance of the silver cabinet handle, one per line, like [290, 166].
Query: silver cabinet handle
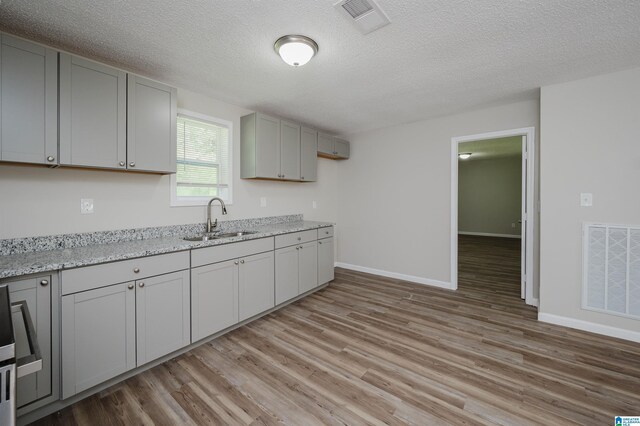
[130, 286]
[141, 285]
[326, 232]
[242, 261]
[122, 164]
[235, 263]
[50, 159]
[44, 283]
[301, 247]
[319, 242]
[299, 238]
[136, 270]
[302, 177]
[132, 164]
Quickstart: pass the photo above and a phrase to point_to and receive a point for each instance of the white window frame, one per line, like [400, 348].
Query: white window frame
[202, 201]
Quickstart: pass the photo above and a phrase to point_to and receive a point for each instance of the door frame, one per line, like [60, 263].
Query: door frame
[528, 156]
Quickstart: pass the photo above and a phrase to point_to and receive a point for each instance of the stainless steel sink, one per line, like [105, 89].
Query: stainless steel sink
[214, 236]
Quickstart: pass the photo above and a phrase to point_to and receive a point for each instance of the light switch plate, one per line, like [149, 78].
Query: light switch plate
[586, 199]
[86, 206]
[315, 205]
[263, 201]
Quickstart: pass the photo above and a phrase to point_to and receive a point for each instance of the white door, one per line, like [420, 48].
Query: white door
[523, 222]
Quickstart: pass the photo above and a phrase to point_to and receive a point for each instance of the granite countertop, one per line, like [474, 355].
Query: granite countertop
[14, 265]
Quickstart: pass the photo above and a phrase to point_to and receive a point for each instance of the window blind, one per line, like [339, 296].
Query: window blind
[202, 159]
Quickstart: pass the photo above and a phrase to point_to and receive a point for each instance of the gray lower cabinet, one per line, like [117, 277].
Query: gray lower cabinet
[28, 102]
[151, 125]
[37, 293]
[325, 260]
[256, 284]
[163, 315]
[308, 155]
[93, 106]
[214, 298]
[98, 336]
[296, 270]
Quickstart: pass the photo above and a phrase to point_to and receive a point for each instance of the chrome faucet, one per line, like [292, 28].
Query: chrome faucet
[212, 226]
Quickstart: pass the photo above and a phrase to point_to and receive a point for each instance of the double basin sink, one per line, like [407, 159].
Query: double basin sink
[218, 236]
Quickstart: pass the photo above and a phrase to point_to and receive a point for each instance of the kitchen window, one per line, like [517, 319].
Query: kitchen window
[203, 160]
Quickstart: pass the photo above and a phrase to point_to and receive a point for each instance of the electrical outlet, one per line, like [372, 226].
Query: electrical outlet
[86, 206]
[315, 205]
[263, 201]
[513, 224]
[586, 199]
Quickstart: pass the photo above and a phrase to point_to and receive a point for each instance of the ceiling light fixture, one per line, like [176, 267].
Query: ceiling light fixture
[296, 50]
[464, 155]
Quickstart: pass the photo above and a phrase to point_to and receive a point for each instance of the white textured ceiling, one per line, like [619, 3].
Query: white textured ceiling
[492, 148]
[437, 57]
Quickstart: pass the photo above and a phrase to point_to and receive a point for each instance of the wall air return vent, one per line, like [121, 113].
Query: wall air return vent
[611, 269]
[366, 15]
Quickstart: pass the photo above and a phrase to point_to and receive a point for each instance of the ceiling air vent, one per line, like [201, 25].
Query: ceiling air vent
[366, 15]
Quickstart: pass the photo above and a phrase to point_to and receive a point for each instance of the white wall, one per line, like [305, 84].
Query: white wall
[394, 192]
[490, 195]
[591, 143]
[42, 201]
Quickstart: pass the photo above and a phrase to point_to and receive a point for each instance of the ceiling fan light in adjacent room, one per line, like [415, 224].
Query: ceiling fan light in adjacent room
[464, 155]
[296, 50]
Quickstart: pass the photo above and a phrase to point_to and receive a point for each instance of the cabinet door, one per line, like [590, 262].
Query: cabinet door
[151, 125]
[98, 336]
[28, 102]
[325, 144]
[93, 105]
[325, 261]
[308, 155]
[267, 154]
[163, 320]
[214, 298]
[289, 150]
[257, 291]
[308, 255]
[341, 148]
[286, 273]
[37, 293]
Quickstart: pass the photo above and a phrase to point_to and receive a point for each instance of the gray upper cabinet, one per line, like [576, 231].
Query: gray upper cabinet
[151, 125]
[256, 284]
[28, 102]
[289, 150]
[93, 105]
[260, 146]
[332, 147]
[308, 155]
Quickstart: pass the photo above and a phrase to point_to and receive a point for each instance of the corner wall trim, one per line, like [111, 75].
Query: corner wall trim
[593, 327]
[489, 234]
[410, 278]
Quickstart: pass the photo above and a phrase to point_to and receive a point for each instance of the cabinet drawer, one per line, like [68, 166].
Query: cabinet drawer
[208, 255]
[296, 238]
[325, 232]
[90, 277]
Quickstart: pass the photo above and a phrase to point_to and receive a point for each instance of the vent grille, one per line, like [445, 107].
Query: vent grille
[357, 8]
[611, 269]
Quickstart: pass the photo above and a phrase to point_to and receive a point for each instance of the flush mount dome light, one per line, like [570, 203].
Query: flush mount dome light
[296, 50]
[464, 155]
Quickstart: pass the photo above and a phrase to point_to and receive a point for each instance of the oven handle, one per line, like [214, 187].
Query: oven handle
[31, 363]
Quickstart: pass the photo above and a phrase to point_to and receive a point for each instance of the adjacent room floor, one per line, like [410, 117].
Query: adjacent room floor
[381, 351]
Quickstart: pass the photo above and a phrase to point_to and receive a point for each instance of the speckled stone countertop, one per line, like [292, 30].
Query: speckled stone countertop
[13, 265]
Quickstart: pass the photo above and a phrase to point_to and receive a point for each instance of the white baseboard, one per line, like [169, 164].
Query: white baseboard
[606, 330]
[411, 278]
[488, 234]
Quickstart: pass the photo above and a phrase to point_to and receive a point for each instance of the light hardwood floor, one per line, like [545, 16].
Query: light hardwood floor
[372, 350]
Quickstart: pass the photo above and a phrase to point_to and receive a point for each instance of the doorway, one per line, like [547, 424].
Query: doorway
[511, 222]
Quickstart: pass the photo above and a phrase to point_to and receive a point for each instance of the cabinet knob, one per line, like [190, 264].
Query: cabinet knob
[235, 263]
[301, 247]
[44, 283]
[319, 242]
[122, 164]
[326, 232]
[283, 175]
[136, 270]
[297, 247]
[132, 164]
[50, 159]
[302, 177]
[299, 238]
[141, 285]
[130, 286]
[242, 261]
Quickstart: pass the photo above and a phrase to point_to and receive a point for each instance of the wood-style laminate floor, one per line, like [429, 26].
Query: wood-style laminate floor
[372, 350]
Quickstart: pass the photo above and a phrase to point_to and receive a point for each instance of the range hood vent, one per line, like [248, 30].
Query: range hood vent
[366, 15]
